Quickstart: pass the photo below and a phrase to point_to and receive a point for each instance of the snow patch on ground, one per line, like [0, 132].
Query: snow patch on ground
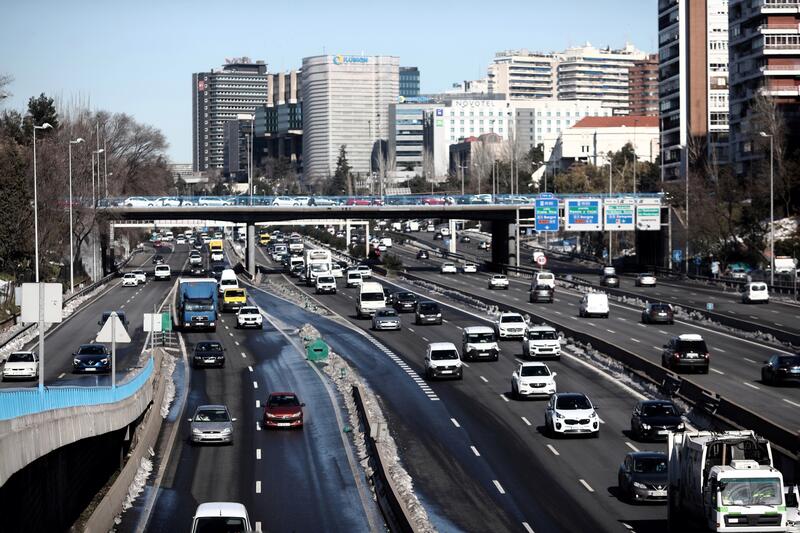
[167, 368]
[279, 286]
[137, 485]
[345, 377]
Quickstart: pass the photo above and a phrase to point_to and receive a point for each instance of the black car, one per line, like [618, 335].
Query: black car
[654, 419]
[422, 254]
[158, 259]
[437, 236]
[197, 270]
[610, 280]
[541, 293]
[405, 301]
[208, 353]
[642, 477]
[465, 238]
[780, 369]
[216, 271]
[121, 314]
[91, 358]
[687, 352]
[428, 313]
[657, 313]
[298, 272]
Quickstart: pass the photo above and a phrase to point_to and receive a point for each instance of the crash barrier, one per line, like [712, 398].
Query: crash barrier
[787, 286]
[394, 512]
[21, 402]
[714, 405]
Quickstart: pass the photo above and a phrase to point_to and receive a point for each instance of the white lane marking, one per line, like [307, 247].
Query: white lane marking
[499, 486]
[586, 485]
[527, 422]
[503, 396]
[641, 325]
[258, 426]
[230, 333]
[720, 350]
[623, 319]
[258, 454]
[592, 324]
[552, 449]
[657, 348]
[255, 384]
[258, 487]
[720, 372]
[752, 386]
[630, 527]
[411, 330]
[244, 354]
[631, 446]
[465, 364]
[236, 342]
[635, 340]
[749, 360]
[773, 311]
[226, 327]
[610, 330]
[258, 404]
[663, 332]
[558, 312]
[790, 402]
[570, 304]
[250, 368]
[61, 375]
[484, 379]
[122, 306]
[455, 422]
[754, 317]
[475, 451]
[425, 339]
[527, 527]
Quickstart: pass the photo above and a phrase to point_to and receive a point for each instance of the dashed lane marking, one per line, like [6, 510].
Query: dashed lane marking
[498, 486]
[230, 333]
[258, 454]
[244, 354]
[663, 332]
[790, 402]
[720, 372]
[411, 330]
[258, 426]
[749, 360]
[720, 350]
[465, 364]
[610, 331]
[527, 527]
[484, 379]
[258, 404]
[631, 446]
[425, 339]
[635, 340]
[586, 485]
[752, 386]
[657, 348]
[527, 422]
[475, 451]
[250, 368]
[61, 375]
[455, 422]
[553, 449]
[258, 487]
[503, 396]
[255, 384]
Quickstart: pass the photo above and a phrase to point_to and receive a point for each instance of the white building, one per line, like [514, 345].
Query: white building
[592, 138]
[345, 102]
[523, 74]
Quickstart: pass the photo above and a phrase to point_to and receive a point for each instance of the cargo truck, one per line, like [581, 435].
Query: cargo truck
[723, 482]
[318, 263]
[195, 304]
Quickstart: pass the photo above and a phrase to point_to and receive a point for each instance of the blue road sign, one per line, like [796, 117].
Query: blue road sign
[546, 213]
[697, 260]
[677, 255]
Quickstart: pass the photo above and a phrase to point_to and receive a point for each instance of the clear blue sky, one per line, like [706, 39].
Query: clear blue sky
[138, 56]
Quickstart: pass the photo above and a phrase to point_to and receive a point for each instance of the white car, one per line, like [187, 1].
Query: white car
[645, 280]
[469, 268]
[510, 325]
[284, 201]
[531, 380]
[353, 278]
[180, 239]
[498, 281]
[137, 201]
[302, 200]
[21, 365]
[364, 270]
[445, 231]
[543, 277]
[337, 271]
[442, 360]
[212, 201]
[162, 272]
[325, 285]
[571, 413]
[479, 342]
[210, 515]
[167, 201]
[217, 255]
[449, 268]
[195, 258]
[249, 316]
[755, 292]
[141, 277]
[130, 280]
[541, 341]
[594, 303]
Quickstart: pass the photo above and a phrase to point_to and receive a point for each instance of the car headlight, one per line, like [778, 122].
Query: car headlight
[593, 415]
[559, 415]
[227, 431]
[681, 426]
[645, 426]
[639, 485]
[196, 431]
[270, 415]
[438, 315]
[104, 360]
[76, 361]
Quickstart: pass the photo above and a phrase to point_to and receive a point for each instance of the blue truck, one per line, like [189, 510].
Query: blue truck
[196, 304]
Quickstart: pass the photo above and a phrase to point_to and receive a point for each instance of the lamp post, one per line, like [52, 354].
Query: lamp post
[610, 187]
[35, 198]
[94, 208]
[771, 206]
[71, 238]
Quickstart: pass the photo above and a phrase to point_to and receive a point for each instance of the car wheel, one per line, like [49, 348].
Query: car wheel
[704, 371]
[764, 378]
[596, 434]
[514, 393]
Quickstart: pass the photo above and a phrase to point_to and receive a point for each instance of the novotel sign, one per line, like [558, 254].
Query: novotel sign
[341, 60]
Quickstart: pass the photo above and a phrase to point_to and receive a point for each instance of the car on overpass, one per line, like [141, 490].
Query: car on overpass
[285, 201]
[21, 365]
[92, 358]
[283, 410]
[213, 201]
[571, 413]
[211, 424]
[138, 201]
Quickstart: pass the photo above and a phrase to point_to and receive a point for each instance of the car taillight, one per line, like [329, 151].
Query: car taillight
[705, 355]
[676, 355]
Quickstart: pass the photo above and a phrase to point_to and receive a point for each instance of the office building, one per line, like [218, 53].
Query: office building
[218, 96]
[346, 102]
[643, 87]
[693, 84]
[406, 121]
[523, 74]
[473, 87]
[765, 61]
[236, 149]
[409, 82]
[279, 123]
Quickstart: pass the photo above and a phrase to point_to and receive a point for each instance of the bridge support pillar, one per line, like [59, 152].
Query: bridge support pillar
[500, 231]
[366, 242]
[347, 234]
[251, 250]
[452, 224]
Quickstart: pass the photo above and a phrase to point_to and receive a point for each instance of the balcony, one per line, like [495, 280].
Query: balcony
[779, 6]
[781, 70]
[780, 90]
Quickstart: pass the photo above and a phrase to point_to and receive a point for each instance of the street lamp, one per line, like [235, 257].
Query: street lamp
[71, 238]
[610, 188]
[771, 207]
[35, 198]
[94, 207]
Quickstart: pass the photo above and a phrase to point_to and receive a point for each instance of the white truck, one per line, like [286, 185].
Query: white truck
[318, 263]
[411, 225]
[785, 265]
[723, 482]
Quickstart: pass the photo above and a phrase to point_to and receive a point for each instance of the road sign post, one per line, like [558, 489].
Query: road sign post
[113, 331]
[541, 260]
[41, 303]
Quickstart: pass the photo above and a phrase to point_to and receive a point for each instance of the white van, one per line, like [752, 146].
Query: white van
[221, 516]
[755, 292]
[162, 273]
[594, 303]
[227, 280]
[370, 299]
[545, 278]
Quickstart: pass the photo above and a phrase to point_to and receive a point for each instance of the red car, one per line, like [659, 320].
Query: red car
[357, 201]
[283, 410]
[433, 201]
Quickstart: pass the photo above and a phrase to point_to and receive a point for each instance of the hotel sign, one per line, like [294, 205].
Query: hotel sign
[340, 59]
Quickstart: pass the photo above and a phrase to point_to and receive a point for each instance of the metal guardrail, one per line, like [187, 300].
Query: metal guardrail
[20, 402]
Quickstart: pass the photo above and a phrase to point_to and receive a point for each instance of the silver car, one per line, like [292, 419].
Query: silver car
[211, 423]
[386, 318]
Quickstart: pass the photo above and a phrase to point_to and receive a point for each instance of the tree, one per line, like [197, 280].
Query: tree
[16, 221]
[342, 179]
[40, 110]
[5, 80]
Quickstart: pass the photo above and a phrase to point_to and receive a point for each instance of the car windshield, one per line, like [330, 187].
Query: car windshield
[758, 287]
[480, 337]
[510, 318]
[212, 415]
[755, 491]
[544, 277]
[789, 360]
[234, 293]
[542, 288]
[692, 346]
[428, 308]
[573, 402]
[326, 279]
[388, 312]
[443, 355]
[353, 275]
[372, 296]
[199, 305]
[209, 347]
[659, 409]
[542, 335]
[248, 311]
[537, 370]
[283, 400]
[20, 357]
[319, 267]
[650, 465]
[499, 277]
[92, 349]
[659, 308]
[405, 297]
[130, 276]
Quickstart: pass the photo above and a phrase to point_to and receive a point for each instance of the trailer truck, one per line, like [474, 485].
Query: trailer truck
[196, 304]
[723, 481]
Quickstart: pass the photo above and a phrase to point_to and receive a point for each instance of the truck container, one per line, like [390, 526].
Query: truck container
[195, 305]
[723, 481]
[318, 263]
[785, 265]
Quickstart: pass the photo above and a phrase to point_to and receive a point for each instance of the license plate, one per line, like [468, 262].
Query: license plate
[658, 493]
[446, 371]
[663, 432]
[796, 371]
[90, 369]
[210, 360]
[283, 424]
[483, 354]
[691, 356]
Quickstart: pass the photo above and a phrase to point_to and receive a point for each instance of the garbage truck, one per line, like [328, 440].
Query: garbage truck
[723, 481]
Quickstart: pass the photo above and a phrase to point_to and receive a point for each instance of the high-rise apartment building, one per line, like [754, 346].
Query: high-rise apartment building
[218, 96]
[345, 102]
[409, 82]
[523, 74]
[279, 122]
[765, 62]
[693, 83]
[643, 87]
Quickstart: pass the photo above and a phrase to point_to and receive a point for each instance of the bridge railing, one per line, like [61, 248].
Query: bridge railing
[20, 402]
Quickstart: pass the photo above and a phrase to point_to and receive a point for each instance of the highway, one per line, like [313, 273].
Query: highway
[479, 460]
